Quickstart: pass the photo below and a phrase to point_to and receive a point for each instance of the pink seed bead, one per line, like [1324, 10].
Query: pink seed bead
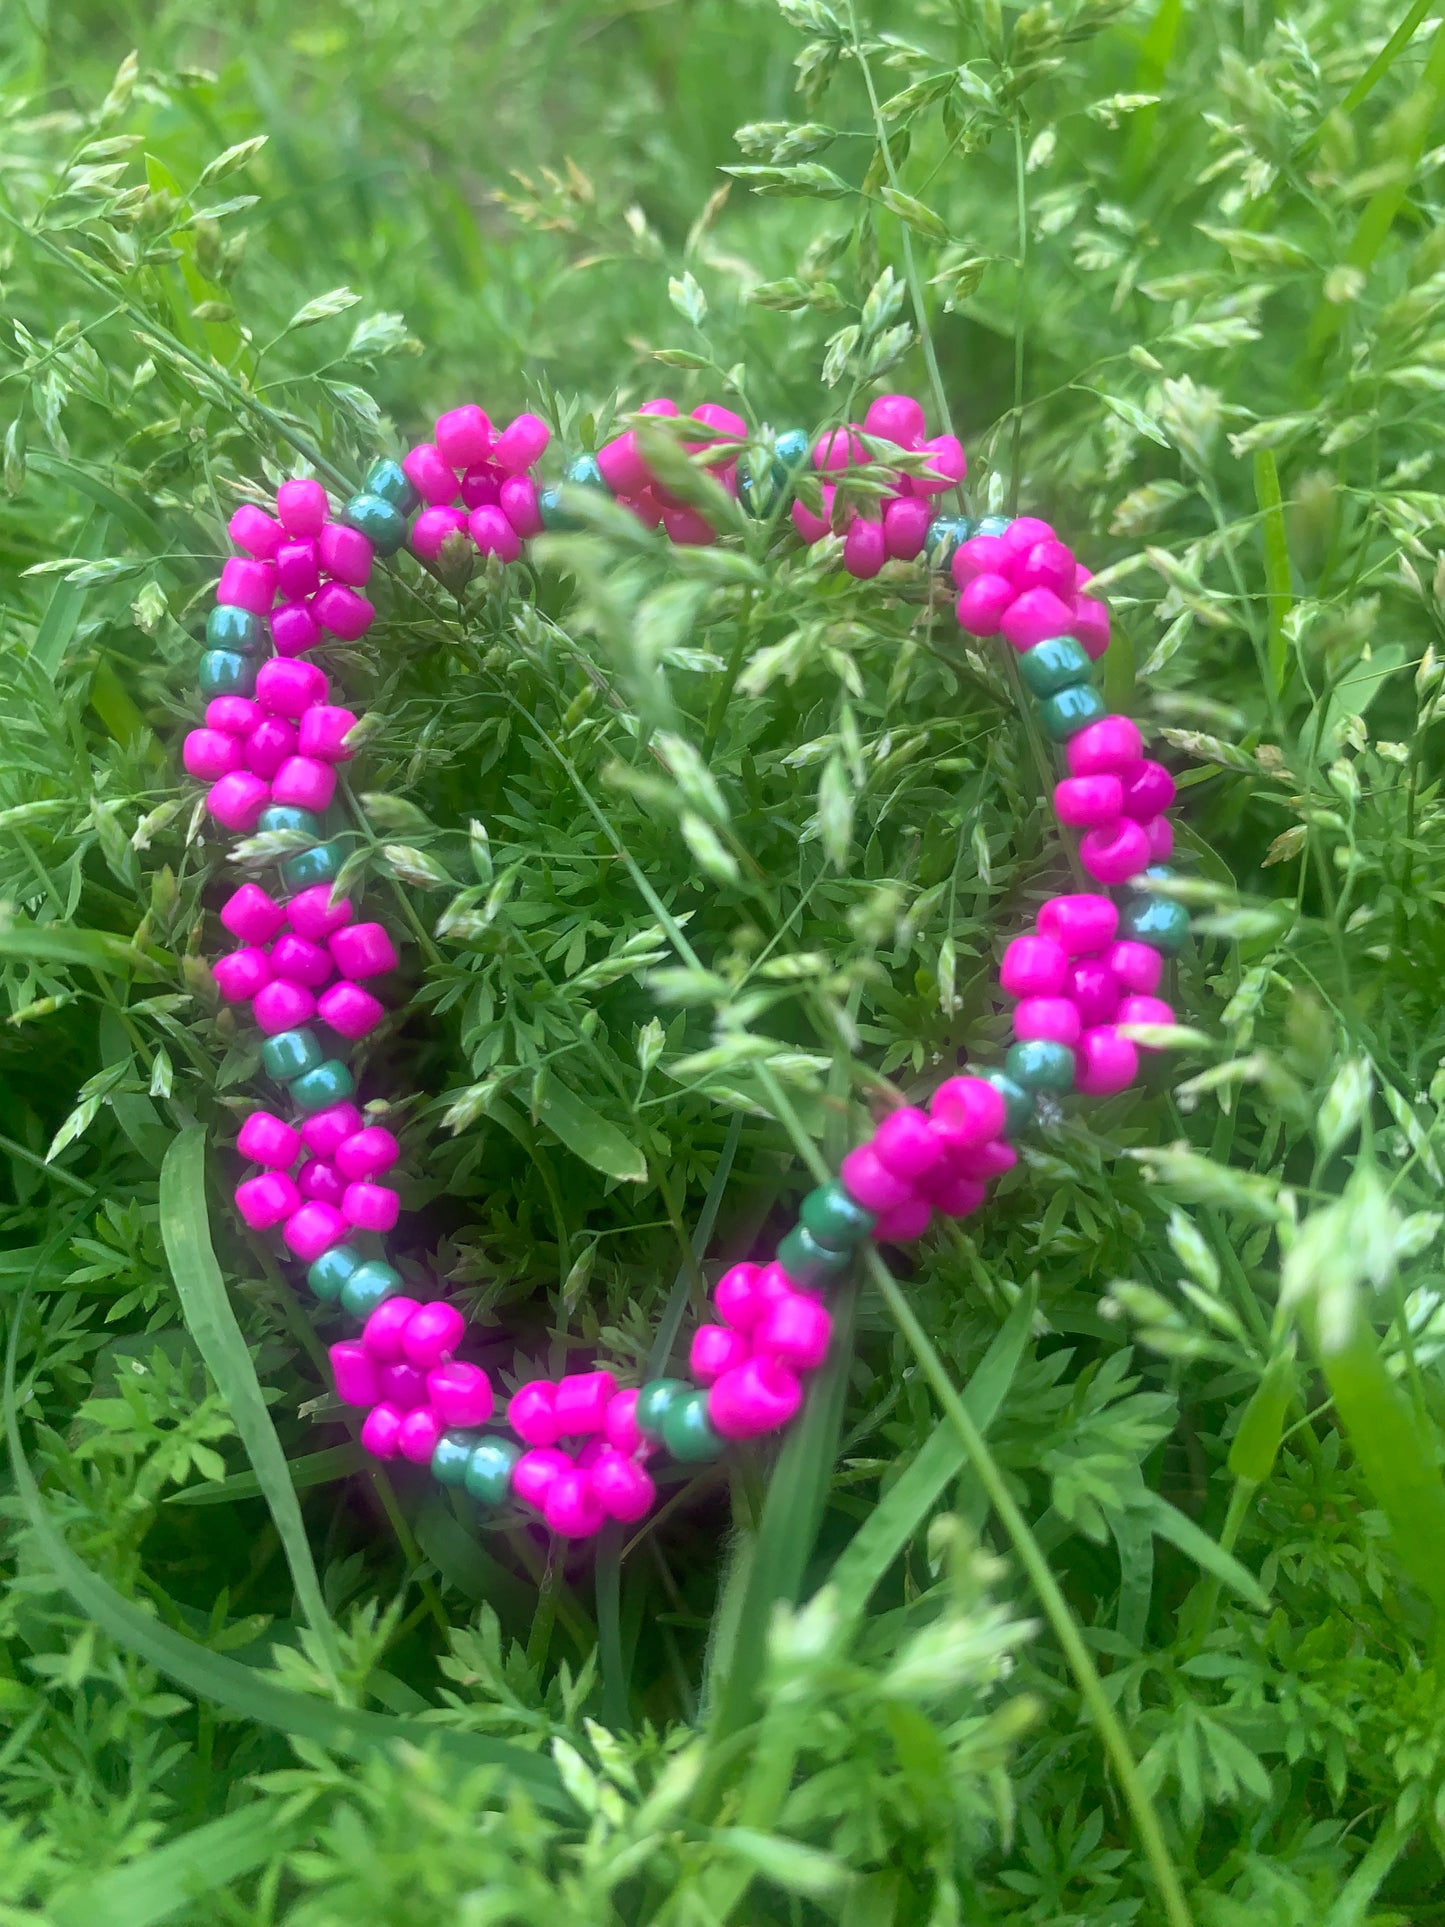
[518, 502]
[252, 915]
[736, 1296]
[531, 1412]
[247, 585]
[323, 732]
[402, 1385]
[305, 783]
[420, 1430]
[1110, 747]
[581, 1402]
[371, 1207]
[279, 1006]
[1086, 802]
[621, 1427]
[521, 443]
[726, 424]
[433, 528]
[354, 1373]
[265, 1139]
[1034, 617]
[1082, 924]
[432, 1333]
[687, 528]
[287, 688]
[902, 1223]
[381, 1431]
[868, 1180]
[1114, 852]
[298, 570]
[623, 1489]
[622, 466]
[237, 801]
[840, 448]
[958, 1196]
[324, 1130]
[363, 950]
[1054, 1019]
[320, 1180]
[1148, 790]
[571, 1508]
[1137, 966]
[294, 629]
[535, 1471]
[430, 474]
[905, 1144]
[1104, 1062]
[258, 533]
[268, 746]
[759, 1396]
[351, 1012]
[967, 1111]
[494, 534]
[299, 961]
[1095, 991]
[947, 465]
[464, 436]
[341, 610]
[1033, 967]
[1090, 626]
[367, 1153]
[864, 549]
[981, 555]
[715, 1349]
[660, 406]
[266, 1200]
[1145, 1010]
[981, 607]
[797, 1330]
[1025, 532]
[346, 554]
[905, 527]
[313, 914]
[241, 973]
[385, 1328]
[896, 418]
[313, 1229]
[232, 715]
[1160, 832]
[209, 754]
[982, 1162]
[460, 1394]
[812, 527]
[482, 486]
[302, 506]
[1047, 565]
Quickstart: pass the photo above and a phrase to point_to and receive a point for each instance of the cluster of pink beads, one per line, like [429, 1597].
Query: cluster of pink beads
[1026, 586]
[942, 1160]
[282, 746]
[632, 482]
[301, 570]
[487, 471]
[900, 529]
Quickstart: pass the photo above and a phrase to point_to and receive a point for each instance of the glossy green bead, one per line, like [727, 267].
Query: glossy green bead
[554, 516]
[285, 816]
[993, 525]
[807, 1262]
[655, 1401]
[391, 482]
[791, 450]
[452, 1455]
[835, 1220]
[582, 472]
[946, 534]
[370, 1285]
[687, 1430]
[331, 1270]
[488, 1477]
[238, 629]
[1071, 710]
[1059, 663]
[383, 526]
[320, 864]
[1039, 1064]
[329, 1083]
[760, 495]
[1157, 921]
[290, 1053]
[1018, 1102]
[226, 672]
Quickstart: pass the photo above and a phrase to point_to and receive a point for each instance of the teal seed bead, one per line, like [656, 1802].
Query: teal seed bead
[687, 1431]
[330, 1272]
[992, 525]
[807, 1262]
[1071, 710]
[946, 534]
[451, 1457]
[1054, 665]
[837, 1221]
[760, 495]
[226, 672]
[330, 1083]
[554, 516]
[655, 1401]
[1017, 1099]
[290, 1053]
[488, 1477]
[1039, 1064]
[382, 525]
[390, 481]
[1157, 921]
[238, 629]
[320, 864]
[285, 816]
[791, 449]
[582, 472]
[368, 1286]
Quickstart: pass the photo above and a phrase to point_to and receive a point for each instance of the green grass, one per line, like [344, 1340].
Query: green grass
[1103, 1583]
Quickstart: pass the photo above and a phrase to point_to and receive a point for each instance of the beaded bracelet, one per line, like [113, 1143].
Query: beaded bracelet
[576, 1451]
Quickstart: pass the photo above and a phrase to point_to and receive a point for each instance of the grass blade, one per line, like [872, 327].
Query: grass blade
[1279, 590]
[317, 1468]
[166, 1882]
[1166, 1521]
